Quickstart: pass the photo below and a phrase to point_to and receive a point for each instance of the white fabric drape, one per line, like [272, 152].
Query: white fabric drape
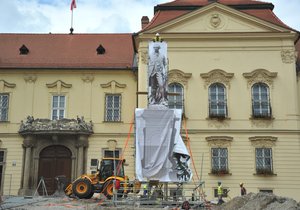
[160, 151]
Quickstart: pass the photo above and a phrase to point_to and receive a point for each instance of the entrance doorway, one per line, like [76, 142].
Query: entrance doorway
[54, 161]
[2, 162]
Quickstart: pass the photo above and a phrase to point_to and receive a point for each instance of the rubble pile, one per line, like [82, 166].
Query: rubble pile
[259, 201]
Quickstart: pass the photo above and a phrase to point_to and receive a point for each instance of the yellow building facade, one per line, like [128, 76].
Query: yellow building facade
[222, 59]
[239, 90]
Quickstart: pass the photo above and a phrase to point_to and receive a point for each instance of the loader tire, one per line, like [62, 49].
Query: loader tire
[90, 195]
[108, 189]
[82, 188]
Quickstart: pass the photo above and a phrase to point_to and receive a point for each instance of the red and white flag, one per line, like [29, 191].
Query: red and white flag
[73, 4]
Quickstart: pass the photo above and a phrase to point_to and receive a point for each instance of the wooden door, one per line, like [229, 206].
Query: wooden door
[54, 161]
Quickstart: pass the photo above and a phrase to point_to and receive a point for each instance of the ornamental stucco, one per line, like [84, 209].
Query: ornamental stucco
[144, 57]
[215, 76]
[113, 85]
[215, 21]
[177, 76]
[263, 141]
[4, 84]
[288, 56]
[82, 141]
[59, 85]
[218, 123]
[29, 141]
[111, 144]
[38, 126]
[88, 78]
[30, 78]
[261, 123]
[219, 141]
[260, 75]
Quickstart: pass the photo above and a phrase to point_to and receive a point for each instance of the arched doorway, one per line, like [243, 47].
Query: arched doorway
[54, 161]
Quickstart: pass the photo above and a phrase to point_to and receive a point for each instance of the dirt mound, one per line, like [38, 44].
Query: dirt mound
[259, 201]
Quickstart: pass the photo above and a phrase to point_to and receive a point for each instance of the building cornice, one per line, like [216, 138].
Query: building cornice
[65, 68]
[241, 131]
[221, 35]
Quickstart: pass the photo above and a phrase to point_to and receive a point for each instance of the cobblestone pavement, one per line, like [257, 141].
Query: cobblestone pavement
[32, 203]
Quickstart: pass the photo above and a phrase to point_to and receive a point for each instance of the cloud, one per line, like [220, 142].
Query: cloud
[98, 16]
[19, 16]
[112, 16]
[92, 16]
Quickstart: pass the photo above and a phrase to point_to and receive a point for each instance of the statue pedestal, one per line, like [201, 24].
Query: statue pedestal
[159, 147]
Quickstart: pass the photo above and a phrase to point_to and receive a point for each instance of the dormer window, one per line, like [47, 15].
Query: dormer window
[24, 50]
[100, 50]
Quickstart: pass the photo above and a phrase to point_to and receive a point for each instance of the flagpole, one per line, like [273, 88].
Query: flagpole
[71, 29]
[73, 5]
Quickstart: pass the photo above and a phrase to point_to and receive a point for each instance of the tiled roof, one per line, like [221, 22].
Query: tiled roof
[266, 15]
[164, 16]
[206, 2]
[66, 51]
[171, 10]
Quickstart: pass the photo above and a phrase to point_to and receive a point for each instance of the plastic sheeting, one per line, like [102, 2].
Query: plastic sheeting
[160, 152]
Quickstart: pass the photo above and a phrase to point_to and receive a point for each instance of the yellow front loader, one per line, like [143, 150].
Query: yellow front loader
[109, 174]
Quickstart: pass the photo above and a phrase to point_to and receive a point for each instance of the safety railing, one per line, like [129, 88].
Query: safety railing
[162, 195]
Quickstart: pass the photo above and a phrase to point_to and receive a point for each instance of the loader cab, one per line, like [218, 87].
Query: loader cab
[106, 168]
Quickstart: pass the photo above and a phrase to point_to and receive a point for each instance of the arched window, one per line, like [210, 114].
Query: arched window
[217, 101]
[175, 101]
[261, 101]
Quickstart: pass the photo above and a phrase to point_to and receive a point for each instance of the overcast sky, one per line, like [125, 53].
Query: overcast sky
[99, 16]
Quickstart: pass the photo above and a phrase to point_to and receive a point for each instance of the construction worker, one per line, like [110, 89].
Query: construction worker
[243, 189]
[220, 193]
[145, 189]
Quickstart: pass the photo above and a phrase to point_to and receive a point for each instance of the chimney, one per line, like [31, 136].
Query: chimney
[144, 21]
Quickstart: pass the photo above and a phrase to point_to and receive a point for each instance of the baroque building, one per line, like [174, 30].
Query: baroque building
[69, 99]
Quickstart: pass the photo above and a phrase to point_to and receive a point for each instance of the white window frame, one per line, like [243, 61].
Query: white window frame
[219, 167]
[268, 168]
[115, 109]
[221, 104]
[262, 102]
[59, 108]
[176, 101]
[94, 165]
[4, 110]
[108, 150]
